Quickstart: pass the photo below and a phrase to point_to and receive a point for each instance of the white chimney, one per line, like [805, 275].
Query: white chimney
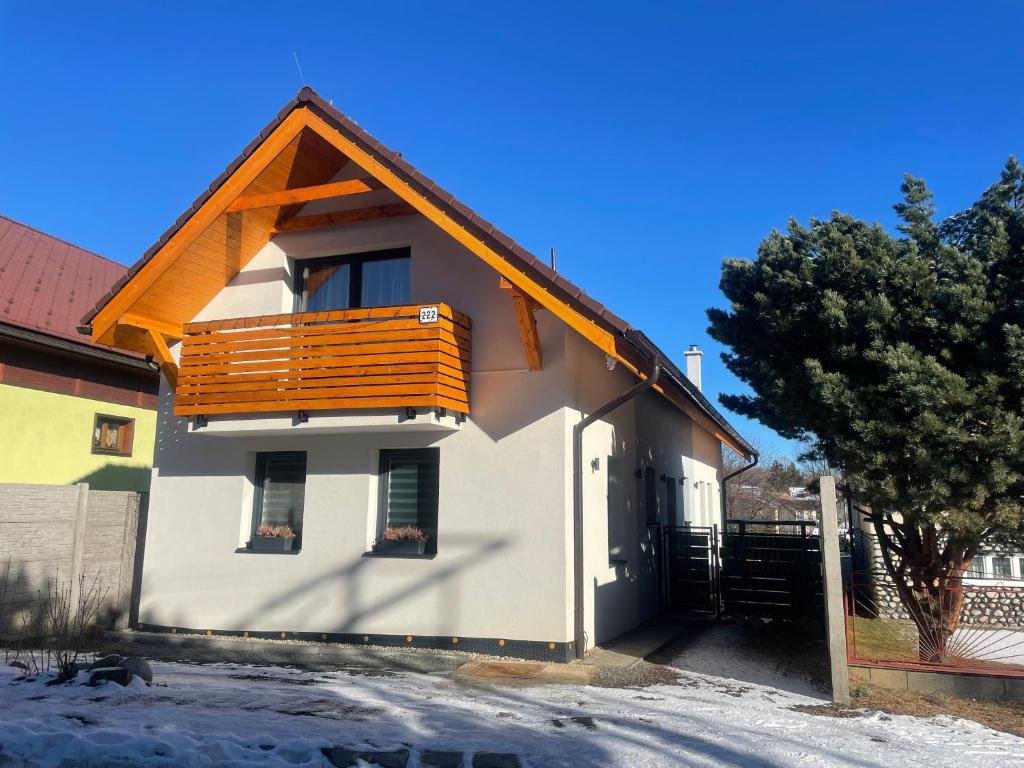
[693, 356]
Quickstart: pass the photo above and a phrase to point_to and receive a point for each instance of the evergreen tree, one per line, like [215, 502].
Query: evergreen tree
[900, 360]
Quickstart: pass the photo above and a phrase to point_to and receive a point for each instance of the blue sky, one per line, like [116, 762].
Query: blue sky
[645, 146]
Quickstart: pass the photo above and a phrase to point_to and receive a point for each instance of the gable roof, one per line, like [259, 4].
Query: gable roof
[45, 285]
[550, 289]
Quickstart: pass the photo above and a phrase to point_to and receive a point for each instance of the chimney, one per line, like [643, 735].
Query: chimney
[693, 356]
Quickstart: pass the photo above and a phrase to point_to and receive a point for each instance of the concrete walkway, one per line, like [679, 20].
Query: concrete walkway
[623, 652]
[635, 646]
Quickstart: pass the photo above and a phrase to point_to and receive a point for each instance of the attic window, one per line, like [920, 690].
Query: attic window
[113, 435]
[374, 279]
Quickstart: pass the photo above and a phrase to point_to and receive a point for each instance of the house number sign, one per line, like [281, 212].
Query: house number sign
[428, 315]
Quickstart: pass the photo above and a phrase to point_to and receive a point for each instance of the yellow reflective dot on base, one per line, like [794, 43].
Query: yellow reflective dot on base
[284, 635]
[366, 638]
[408, 638]
[245, 634]
[551, 646]
[455, 640]
[501, 643]
[209, 632]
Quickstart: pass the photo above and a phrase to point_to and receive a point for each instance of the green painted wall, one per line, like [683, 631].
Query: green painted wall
[47, 438]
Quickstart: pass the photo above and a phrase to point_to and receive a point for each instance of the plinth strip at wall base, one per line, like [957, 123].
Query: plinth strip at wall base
[533, 650]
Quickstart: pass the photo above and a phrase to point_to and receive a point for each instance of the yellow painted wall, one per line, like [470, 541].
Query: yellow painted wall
[47, 438]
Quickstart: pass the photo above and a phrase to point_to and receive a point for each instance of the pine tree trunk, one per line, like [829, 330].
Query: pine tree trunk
[927, 571]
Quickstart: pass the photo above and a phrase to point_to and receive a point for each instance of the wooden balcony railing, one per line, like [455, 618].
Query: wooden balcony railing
[384, 357]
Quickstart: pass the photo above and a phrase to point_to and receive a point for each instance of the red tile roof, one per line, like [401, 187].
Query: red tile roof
[47, 284]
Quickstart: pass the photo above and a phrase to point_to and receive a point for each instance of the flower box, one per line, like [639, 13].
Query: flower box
[272, 543]
[400, 547]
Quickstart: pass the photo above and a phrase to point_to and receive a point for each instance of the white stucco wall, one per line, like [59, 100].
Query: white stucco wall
[649, 432]
[503, 567]
[499, 568]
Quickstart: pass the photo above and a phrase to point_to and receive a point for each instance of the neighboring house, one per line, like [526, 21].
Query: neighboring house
[997, 565]
[349, 350]
[71, 410]
[993, 585]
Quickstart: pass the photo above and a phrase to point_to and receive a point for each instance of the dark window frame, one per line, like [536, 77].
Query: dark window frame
[1002, 559]
[383, 474]
[124, 421]
[355, 278]
[650, 481]
[259, 480]
[672, 516]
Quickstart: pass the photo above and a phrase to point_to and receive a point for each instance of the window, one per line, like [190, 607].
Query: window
[1001, 567]
[1020, 566]
[408, 486]
[113, 435]
[618, 506]
[375, 279]
[651, 495]
[976, 570]
[670, 502]
[280, 491]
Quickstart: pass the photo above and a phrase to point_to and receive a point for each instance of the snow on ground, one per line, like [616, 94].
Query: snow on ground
[228, 714]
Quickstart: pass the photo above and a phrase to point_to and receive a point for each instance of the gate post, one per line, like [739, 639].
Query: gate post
[833, 583]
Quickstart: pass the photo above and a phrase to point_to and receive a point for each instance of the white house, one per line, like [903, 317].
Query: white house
[348, 350]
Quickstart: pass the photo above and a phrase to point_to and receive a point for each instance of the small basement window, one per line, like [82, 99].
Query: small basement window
[278, 501]
[408, 486]
[113, 435]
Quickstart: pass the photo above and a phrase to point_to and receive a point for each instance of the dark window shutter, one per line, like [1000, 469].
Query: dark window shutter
[409, 489]
[281, 479]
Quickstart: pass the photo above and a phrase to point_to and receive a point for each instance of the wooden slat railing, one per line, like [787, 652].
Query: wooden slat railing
[383, 357]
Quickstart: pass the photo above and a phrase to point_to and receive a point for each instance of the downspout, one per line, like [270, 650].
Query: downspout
[577, 494]
[740, 471]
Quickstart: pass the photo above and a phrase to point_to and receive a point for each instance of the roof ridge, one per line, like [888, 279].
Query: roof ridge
[50, 236]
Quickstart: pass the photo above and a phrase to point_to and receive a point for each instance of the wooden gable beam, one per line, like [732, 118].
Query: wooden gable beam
[305, 194]
[353, 216]
[207, 213]
[170, 330]
[525, 308]
[162, 354]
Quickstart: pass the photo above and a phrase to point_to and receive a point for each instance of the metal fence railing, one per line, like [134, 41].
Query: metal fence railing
[976, 626]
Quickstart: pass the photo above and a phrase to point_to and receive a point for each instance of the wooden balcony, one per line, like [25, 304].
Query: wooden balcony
[384, 357]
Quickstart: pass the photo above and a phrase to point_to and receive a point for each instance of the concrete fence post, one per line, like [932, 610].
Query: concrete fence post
[126, 573]
[78, 547]
[833, 584]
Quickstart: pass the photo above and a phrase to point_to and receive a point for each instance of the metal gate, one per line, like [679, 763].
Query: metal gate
[691, 572]
[772, 569]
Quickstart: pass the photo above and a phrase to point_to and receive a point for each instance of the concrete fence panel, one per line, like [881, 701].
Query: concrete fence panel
[64, 532]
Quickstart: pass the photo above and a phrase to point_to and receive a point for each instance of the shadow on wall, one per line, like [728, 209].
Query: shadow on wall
[117, 477]
[277, 610]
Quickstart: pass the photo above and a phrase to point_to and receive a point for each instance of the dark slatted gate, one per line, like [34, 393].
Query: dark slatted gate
[772, 570]
[691, 558]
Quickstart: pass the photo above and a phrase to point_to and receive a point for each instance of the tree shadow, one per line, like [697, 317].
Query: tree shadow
[117, 477]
